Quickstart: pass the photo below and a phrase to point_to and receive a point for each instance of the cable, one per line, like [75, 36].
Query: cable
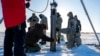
[40, 11]
[1, 20]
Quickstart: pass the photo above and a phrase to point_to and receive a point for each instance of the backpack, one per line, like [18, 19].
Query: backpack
[78, 26]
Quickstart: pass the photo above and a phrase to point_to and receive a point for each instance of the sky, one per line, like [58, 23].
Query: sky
[65, 6]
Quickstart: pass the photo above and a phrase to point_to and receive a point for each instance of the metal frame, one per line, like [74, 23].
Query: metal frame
[90, 20]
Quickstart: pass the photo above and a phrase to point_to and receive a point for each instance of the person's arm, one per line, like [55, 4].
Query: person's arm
[29, 19]
[73, 24]
[36, 19]
[1, 20]
[46, 38]
[80, 25]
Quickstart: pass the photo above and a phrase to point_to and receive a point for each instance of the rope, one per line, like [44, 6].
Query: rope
[40, 11]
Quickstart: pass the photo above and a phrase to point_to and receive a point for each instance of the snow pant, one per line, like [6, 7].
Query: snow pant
[58, 36]
[70, 38]
[14, 40]
[77, 39]
[32, 48]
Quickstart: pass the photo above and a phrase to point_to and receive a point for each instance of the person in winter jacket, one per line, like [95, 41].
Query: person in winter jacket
[78, 34]
[33, 36]
[72, 22]
[58, 26]
[14, 19]
[43, 21]
[33, 20]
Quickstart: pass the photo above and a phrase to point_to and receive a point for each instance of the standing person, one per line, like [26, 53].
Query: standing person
[78, 34]
[33, 20]
[72, 30]
[45, 22]
[14, 20]
[58, 26]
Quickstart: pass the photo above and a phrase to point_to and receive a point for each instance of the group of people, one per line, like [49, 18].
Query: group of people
[73, 31]
[36, 31]
[17, 40]
[72, 34]
[34, 19]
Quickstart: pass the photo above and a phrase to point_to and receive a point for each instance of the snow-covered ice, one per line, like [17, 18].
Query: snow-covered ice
[61, 50]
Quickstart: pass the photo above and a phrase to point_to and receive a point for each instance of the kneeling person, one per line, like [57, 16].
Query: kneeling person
[33, 36]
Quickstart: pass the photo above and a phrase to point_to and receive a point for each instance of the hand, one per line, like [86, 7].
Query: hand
[51, 40]
[27, 5]
[57, 29]
[54, 40]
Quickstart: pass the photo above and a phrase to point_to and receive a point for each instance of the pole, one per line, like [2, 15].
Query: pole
[53, 33]
[53, 27]
[53, 1]
[90, 21]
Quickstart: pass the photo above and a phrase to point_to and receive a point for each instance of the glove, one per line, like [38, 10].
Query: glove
[52, 40]
[57, 29]
[27, 5]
